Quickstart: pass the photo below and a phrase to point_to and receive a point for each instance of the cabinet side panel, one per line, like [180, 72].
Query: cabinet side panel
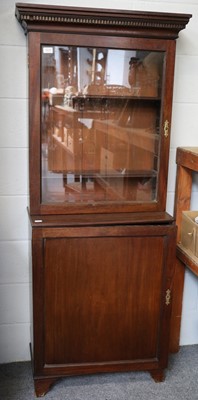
[34, 121]
[38, 304]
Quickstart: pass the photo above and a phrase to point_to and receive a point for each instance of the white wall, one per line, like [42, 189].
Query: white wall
[14, 242]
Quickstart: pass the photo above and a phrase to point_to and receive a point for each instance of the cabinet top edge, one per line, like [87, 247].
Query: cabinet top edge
[101, 219]
[39, 17]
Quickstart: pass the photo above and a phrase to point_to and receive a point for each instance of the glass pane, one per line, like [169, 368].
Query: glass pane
[100, 124]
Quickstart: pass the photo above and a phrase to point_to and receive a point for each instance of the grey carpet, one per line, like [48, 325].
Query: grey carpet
[181, 382]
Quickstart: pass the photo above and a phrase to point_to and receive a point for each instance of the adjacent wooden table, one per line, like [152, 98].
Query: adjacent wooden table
[187, 163]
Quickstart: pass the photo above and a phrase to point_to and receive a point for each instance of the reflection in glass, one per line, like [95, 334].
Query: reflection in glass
[100, 124]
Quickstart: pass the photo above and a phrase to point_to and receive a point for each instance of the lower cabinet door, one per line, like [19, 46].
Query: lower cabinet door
[102, 298]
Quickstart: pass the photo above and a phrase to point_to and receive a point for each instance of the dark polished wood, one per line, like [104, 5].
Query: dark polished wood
[43, 385]
[102, 316]
[101, 219]
[36, 204]
[102, 269]
[158, 375]
[135, 23]
[47, 25]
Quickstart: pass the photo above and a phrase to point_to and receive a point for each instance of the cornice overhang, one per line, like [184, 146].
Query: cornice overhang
[47, 18]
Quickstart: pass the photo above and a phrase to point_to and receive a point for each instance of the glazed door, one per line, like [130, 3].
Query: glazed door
[104, 298]
[104, 122]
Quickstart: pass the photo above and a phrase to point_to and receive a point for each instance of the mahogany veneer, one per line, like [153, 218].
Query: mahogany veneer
[103, 247]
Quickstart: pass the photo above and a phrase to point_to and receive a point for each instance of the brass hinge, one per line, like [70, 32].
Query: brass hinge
[168, 297]
[166, 128]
